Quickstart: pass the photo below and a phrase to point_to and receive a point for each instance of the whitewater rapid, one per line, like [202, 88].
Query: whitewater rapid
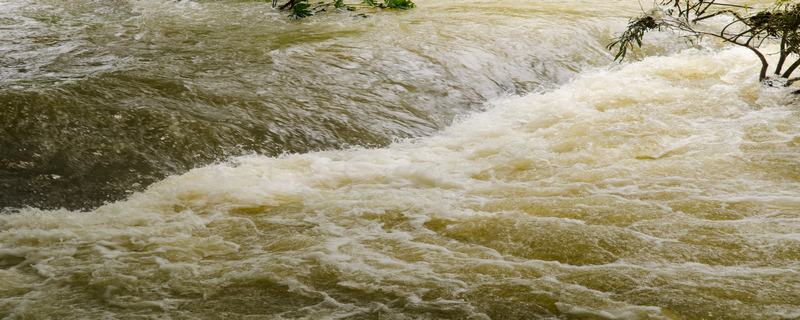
[662, 189]
[100, 99]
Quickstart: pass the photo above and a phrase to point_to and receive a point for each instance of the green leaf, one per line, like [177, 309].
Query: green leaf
[302, 9]
[399, 4]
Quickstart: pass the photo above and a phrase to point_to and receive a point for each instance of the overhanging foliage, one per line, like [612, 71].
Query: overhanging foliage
[746, 26]
[302, 8]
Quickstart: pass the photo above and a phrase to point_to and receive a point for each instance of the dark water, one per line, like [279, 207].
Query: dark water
[102, 98]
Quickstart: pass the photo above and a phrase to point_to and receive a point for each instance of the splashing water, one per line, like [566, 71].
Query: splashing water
[664, 189]
[102, 98]
[667, 189]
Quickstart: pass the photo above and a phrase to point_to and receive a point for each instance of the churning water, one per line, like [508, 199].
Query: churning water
[667, 188]
[102, 98]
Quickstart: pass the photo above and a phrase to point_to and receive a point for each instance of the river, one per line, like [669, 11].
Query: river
[476, 159]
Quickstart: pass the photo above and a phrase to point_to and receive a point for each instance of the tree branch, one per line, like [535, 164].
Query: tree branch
[784, 54]
[790, 70]
[764, 64]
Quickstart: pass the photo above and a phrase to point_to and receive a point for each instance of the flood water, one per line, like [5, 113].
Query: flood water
[475, 159]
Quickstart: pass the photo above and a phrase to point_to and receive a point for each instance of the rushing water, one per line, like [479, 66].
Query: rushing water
[662, 189]
[101, 98]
